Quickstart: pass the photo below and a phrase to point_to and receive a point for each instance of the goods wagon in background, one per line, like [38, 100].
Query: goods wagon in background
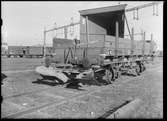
[28, 51]
[15, 51]
[4, 48]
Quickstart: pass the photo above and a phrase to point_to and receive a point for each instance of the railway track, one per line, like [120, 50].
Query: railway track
[30, 110]
[26, 93]
[14, 115]
[16, 71]
[40, 90]
[33, 109]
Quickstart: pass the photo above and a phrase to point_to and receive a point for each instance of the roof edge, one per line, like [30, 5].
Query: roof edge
[102, 9]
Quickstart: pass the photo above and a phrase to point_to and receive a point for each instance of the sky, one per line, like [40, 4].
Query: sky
[24, 22]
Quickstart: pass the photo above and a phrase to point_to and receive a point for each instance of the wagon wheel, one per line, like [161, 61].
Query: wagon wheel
[140, 66]
[109, 75]
[116, 73]
[143, 67]
[137, 69]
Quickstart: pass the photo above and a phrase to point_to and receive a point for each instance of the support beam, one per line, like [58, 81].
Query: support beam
[141, 6]
[143, 49]
[151, 45]
[116, 39]
[132, 42]
[64, 55]
[44, 44]
[151, 48]
[61, 27]
[134, 34]
[103, 48]
[65, 32]
[127, 26]
[87, 34]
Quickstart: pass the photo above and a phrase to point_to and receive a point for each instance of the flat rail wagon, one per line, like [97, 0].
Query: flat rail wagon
[102, 46]
[102, 32]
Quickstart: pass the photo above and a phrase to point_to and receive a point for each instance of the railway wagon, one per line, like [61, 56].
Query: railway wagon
[16, 51]
[98, 47]
[60, 45]
[38, 51]
[28, 51]
[34, 51]
[124, 46]
[4, 48]
[102, 32]
[102, 48]
[4, 52]
[102, 52]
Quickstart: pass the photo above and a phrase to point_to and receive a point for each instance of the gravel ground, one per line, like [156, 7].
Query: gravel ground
[20, 63]
[148, 87]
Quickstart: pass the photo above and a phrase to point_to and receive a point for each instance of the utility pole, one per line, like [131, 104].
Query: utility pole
[143, 49]
[151, 48]
[87, 34]
[116, 39]
[132, 42]
[65, 32]
[151, 44]
[44, 44]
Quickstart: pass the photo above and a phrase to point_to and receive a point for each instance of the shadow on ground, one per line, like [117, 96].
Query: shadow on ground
[3, 76]
[71, 83]
[46, 82]
[128, 74]
[74, 85]
[53, 81]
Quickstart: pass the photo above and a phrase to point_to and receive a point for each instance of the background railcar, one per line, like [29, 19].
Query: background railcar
[28, 51]
[16, 51]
